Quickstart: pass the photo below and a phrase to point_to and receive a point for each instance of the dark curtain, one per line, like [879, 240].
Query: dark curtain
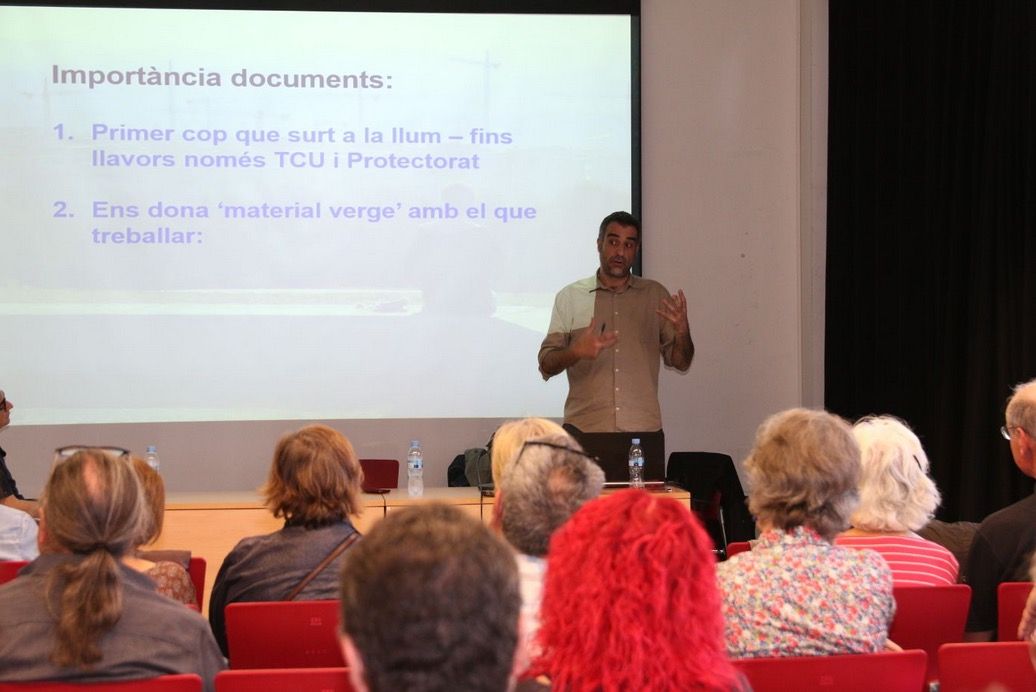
[931, 266]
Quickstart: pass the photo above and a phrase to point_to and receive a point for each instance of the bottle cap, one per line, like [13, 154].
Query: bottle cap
[415, 443]
[151, 449]
[636, 440]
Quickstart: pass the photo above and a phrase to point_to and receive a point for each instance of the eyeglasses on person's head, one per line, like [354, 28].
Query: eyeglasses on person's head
[552, 445]
[62, 453]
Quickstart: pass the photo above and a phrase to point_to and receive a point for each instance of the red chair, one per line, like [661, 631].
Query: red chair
[928, 617]
[888, 671]
[280, 679]
[283, 634]
[164, 683]
[380, 474]
[738, 547]
[9, 569]
[196, 570]
[981, 666]
[1010, 603]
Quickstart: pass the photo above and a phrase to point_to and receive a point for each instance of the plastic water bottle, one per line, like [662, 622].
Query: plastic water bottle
[151, 457]
[415, 469]
[636, 464]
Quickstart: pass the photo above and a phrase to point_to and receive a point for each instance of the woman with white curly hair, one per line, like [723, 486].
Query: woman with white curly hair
[897, 498]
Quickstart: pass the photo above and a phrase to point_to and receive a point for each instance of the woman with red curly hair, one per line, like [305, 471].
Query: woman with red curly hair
[630, 601]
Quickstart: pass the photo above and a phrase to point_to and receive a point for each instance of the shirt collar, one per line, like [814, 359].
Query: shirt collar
[49, 561]
[594, 281]
[800, 535]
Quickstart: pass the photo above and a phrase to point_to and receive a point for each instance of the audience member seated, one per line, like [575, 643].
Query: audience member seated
[171, 579]
[509, 438]
[314, 484]
[17, 535]
[1006, 539]
[630, 600]
[549, 479]
[795, 593]
[9, 495]
[897, 498]
[1027, 625]
[429, 602]
[76, 612]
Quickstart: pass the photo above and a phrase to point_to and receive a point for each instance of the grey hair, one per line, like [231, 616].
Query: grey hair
[803, 471]
[1021, 408]
[542, 488]
[896, 493]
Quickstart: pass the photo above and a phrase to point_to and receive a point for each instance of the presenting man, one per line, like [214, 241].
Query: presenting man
[608, 331]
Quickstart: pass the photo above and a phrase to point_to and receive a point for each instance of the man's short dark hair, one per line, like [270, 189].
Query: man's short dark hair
[623, 218]
[430, 599]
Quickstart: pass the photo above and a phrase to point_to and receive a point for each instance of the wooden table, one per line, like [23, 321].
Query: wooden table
[210, 524]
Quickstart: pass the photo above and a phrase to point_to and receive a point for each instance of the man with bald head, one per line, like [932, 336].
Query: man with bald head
[1006, 539]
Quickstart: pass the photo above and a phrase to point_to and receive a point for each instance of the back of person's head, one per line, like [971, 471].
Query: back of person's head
[510, 436]
[804, 470]
[896, 493]
[154, 493]
[1021, 408]
[93, 507]
[430, 601]
[315, 477]
[549, 479]
[630, 600]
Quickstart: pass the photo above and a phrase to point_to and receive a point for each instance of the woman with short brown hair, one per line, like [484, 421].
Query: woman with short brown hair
[314, 485]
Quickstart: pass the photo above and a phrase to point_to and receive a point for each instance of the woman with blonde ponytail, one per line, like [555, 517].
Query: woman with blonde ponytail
[78, 613]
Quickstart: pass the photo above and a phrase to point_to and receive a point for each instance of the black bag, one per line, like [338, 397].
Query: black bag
[478, 468]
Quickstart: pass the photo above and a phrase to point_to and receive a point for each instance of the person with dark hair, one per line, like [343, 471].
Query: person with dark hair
[1006, 540]
[314, 484]
[9, 494]
[630, 601]
[608, 331]
[795, 593]
[76, 612]
[430, 603]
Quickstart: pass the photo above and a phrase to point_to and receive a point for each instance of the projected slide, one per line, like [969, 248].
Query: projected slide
[243, 215]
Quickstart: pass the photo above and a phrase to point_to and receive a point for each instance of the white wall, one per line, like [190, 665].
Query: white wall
[734, 131]
[727, 144]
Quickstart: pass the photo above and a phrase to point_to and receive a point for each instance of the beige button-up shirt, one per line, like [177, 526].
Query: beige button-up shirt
[617, 391]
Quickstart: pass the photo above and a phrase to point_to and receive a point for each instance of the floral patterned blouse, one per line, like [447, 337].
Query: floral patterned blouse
[796, 594]
[173, 581]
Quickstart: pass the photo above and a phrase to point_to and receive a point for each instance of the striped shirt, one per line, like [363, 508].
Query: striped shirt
[914, 561]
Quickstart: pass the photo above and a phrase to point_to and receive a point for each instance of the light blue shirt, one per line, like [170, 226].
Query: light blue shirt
[17, 535]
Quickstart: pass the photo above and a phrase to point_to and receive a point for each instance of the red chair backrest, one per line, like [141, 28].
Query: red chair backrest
[280, 679]
[1010, 603]
[380, 473]
[164, 683]
[9, 569]
[981, 666]
[928, 617]
[283, 634]
[888, 671]
[196, 570]
[738, 547]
